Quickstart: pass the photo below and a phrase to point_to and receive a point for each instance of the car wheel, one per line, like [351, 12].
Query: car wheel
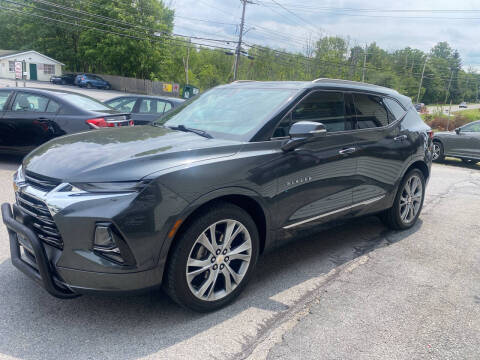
[213, 258]
[89, 86]
[408, 202]
[437, 151]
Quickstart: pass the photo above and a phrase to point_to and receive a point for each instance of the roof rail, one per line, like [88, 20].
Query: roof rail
[341, 80]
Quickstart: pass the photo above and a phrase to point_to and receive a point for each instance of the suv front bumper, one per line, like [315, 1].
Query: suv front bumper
[29, 255]
[37, 265]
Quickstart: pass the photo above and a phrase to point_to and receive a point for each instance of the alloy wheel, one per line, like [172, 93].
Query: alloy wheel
[219, 260]
[411, 199]
[436, 151]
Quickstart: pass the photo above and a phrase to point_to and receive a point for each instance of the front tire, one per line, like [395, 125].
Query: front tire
[408, 202]
[438, 154]
[213, 258]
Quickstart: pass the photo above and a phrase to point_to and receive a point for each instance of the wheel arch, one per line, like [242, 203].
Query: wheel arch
[246, 199]
[420, 165]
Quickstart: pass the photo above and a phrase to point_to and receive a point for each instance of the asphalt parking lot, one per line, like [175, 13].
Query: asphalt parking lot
[354, 291]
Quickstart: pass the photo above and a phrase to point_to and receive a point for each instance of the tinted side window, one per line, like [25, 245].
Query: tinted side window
[324, 107]
[397, 110]
[123, 104]
[52, 107]
[30, 102]
[151, 106]
[3, 98]
[475, 127]
[168, 107]
[370, 111]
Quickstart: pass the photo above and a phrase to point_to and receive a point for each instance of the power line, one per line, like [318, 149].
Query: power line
[157, 39]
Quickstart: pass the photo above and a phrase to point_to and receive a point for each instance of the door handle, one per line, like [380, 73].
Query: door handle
[347, 151]
[400, 138]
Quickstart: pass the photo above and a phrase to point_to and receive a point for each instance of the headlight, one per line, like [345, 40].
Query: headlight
[19, 176]
[109, 187]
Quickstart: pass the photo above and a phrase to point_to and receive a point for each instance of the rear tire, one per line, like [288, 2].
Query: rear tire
[89, 86]
[438, 154]
[196, 274]
[408, 202]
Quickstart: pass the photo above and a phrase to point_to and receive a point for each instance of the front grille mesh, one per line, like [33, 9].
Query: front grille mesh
[41, 220]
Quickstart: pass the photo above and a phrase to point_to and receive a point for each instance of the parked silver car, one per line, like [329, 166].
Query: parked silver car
[463, 143]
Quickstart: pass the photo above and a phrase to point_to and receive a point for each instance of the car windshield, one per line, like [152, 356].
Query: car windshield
[84, 102]
[229, 113]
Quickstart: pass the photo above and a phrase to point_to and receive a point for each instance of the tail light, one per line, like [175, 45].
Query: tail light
[430, 134]
[98, 123]
[83, 77]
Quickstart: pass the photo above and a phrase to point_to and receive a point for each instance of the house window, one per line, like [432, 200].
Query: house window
[11, 66]
[48, 69]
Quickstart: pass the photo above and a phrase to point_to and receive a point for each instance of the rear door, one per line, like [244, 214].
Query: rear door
[467, 143]
[384, 149]
[5, 127]
[31, 119]
[315, 181]
[150, 109]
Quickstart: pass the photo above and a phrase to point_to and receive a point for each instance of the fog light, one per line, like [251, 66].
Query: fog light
[110, 245]
[104, 237]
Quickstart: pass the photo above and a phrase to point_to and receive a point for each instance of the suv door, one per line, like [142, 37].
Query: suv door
[467, 143]
[31, 118]
[384, 150]
[315, 180]
[5, 128]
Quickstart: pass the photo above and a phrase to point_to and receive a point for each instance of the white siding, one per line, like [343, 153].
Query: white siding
[30, 58]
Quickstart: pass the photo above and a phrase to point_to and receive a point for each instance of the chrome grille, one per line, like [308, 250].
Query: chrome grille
[41, 183]
[41, 220]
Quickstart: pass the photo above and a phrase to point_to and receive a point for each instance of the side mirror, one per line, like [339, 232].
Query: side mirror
[303, 132]
[457, 130]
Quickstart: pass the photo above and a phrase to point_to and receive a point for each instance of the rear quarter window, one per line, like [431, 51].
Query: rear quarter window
[396, 109]
[370, 111]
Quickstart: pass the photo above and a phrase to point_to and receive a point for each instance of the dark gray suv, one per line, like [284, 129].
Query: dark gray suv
[191, 202]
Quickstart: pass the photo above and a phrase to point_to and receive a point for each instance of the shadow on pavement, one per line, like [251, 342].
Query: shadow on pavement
[460, 164]
[34, 324]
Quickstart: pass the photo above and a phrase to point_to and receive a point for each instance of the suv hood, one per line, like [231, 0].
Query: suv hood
[122, 154]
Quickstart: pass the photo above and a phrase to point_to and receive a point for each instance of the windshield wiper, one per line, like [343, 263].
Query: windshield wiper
[195, 131]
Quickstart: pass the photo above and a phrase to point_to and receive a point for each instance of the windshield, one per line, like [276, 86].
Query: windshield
[230, 113]
[86, 103]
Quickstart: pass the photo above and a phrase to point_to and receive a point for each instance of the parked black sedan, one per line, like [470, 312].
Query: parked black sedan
[463, 143]
[65, 79]
[30, 117]
[144, 109]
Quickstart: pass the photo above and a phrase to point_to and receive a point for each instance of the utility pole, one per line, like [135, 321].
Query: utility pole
[421, 80]
[185, 65]
[448, 88]
[364, 63]
[240, 37]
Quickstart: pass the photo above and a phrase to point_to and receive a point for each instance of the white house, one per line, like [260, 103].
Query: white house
[37, 66]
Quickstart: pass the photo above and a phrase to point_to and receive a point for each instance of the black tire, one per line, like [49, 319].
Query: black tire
[392, 217]
[89, 86]
[441, 155]
[175, 280]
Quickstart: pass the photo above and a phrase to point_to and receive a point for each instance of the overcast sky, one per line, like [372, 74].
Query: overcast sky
[362, 21]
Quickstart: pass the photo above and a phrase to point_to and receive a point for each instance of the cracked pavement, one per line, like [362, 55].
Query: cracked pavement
[354, 291]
